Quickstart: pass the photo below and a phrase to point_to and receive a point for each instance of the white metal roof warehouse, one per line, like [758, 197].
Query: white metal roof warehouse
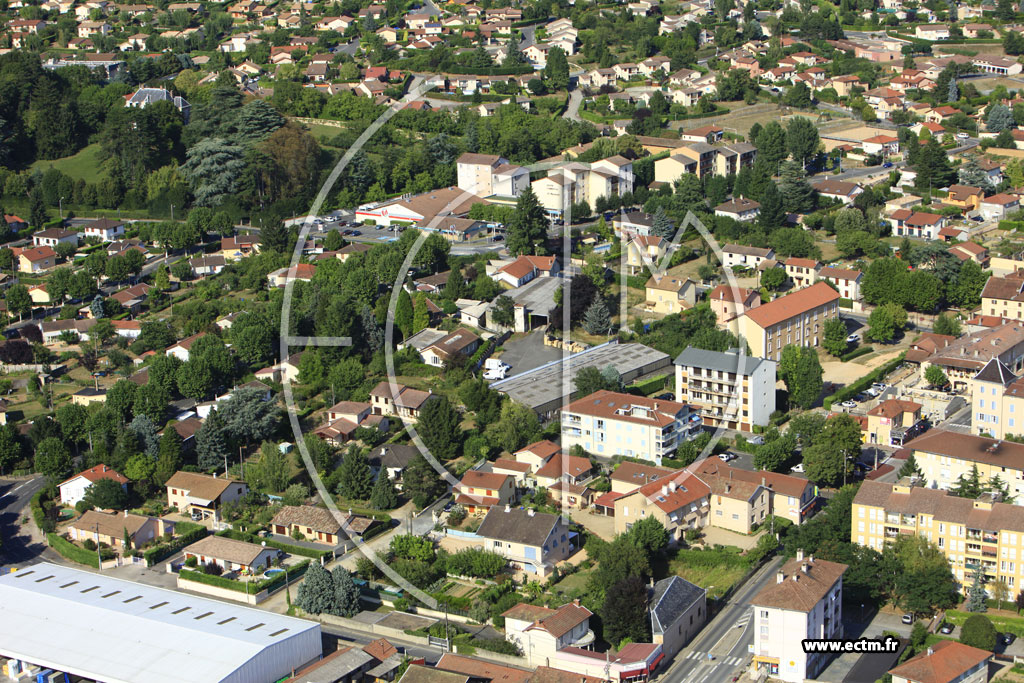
[109, 629]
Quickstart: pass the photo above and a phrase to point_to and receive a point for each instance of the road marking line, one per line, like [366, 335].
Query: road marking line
[23, 485]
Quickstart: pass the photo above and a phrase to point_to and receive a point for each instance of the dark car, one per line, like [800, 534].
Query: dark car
[356, 233]
[667, 396]
[946, 628]
[887, 164]
[1008, 638]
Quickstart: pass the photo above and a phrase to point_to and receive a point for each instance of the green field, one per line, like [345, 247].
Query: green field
[323, 133]
[716, 570]
[82, 166]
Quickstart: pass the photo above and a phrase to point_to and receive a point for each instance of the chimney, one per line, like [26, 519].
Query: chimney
[664, 490]
[780, 577]
[804, 567]
[800, 554]
[728, 488]
[796, 577]
[810, 558]
[763, 481]
[672, 486]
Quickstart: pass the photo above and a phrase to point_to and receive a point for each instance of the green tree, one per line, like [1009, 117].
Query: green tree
[910, 468]
[590, 379]
[802, 376]
[528, 225]
[625, 611]
[383, 496]
[969, 485]
[420, 313]
[773, 213]
[52, 460]
[270, 473]
[404, 314]
[516, 427]
[105, 494]
[801, 139]
[933, 167]
[212, 442]
[835, 337]
[346, 593]
[935, 376]
[557, 69]
[772, 279]
[650, 535]
[946, 323]
[18, 300]
[999, 118]
[597, 319]
[422, 483]
[213, 167]
[355, 479]
[438, 426]
[316, 593]
[976, 594]
[502, 313]
[169, 459]
[661, 224]
[978, 631]
[886, 322]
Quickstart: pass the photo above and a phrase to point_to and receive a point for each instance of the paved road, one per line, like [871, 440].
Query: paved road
[721, 640]
[573, 110]
[18, 549]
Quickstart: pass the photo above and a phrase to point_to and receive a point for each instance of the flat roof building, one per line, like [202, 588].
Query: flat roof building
[50, 615]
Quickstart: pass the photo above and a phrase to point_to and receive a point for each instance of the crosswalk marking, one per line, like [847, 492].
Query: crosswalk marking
[743, 620]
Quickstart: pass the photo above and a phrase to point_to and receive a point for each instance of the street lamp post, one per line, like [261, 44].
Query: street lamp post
[172, 213]
[60, 207]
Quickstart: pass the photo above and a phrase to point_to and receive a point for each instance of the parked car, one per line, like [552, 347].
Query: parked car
[726, 457]
[849, 405]
[497, 238]
[963, 136]
[907, 618]
[1008, 638]
[887, 164]
[946, 628]
[852, 339]
[798, 468]
[757, 440]
[356, 233]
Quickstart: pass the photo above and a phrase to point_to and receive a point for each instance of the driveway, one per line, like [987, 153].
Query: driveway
[22, 543]
[573, 110]
[529, 352]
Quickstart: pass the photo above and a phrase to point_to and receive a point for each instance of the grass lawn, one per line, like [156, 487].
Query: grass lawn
[323, 133]
[81, 166]
[1004, 621]
[715, 570]
[573, 582]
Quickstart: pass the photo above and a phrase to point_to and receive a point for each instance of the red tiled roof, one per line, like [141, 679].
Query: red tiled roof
[792, 305]
[98, 472]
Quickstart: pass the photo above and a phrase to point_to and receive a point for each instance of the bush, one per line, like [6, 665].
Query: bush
[191, 561]
[979, 632]
[213, 569]
[89, 544]
[71, 551]
[475, 563]
[856, 353]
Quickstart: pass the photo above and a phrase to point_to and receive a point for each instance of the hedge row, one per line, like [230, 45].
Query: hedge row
[189, 533]
[280, 545]
[863, 383]
[1011, 225]
[856, 353]
[244, 586]
[649, 386]
[845, 303]
[71, 551]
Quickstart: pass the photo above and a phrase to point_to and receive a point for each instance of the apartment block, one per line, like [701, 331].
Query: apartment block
[798, 318]
[997, 401]
[806, 601]
[611, 423]
[729, 390]
[944, 456]
[1004, 296]
[576, 182]
[488, 174]
[973, 534]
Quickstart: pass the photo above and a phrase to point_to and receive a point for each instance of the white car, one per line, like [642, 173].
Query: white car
[849, 405]
[798, 468]
[853, 339]
[963, 136]
[726, 457]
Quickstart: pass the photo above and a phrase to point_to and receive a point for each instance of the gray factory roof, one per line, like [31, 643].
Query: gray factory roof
[108, 629]
[542, 386]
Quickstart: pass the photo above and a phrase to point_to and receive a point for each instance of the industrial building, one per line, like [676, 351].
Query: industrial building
[107, 629]
[542, 388]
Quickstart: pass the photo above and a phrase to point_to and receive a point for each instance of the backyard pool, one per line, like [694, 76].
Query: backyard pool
[271, 573]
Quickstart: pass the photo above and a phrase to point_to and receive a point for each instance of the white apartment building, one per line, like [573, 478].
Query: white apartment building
[576, 182]
[611, 423]
[729, 390]
[488, 174]
[806, 601]
[745, 257]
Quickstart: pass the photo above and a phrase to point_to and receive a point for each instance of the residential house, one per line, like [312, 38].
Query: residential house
[532, 542]
[892, 421]
[238, 247]
[105, 229]
[970, 251]
[797, 318]
[479, 491]
[36, 259]
[231, 555]
[789, 497]
[739, 256]
[729, 302]
[804, 602]
[485, 175]
[392, 460]
[402, 402]
[206, 265]
[907, 223]
[680, 501]
[678, 611]
[740, 209]
[132, 298]
[540, 632]
[537, 453]
[73, 489]
[999, 206]
[180, 349]
[932, 32]
[282, 276]
[611, 423]
[884, 145]
[667, 295]
[316, 524]
[459, 342]
[846, 280]
[345, 417]
[726, 389]
[964, 196]
[961, 359]
[51, 237]
[643, 251]
[947, 661]
[838, 189]
[112, 528]
[202, 495]
[1001, 66]
[802, 272]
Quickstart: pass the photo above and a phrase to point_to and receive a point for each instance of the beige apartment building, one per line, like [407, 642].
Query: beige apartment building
[944, 456]
[798, 318]
[729, 390]
[997, 401]
[1004, 296]
[972, 534]
[576, 182]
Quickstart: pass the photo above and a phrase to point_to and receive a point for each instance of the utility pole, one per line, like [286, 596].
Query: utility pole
[99, 558]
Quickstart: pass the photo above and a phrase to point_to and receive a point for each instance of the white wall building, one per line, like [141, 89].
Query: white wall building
[729, 390]
[806, 601]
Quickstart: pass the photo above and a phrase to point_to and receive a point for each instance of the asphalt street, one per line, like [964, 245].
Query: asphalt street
[18, 549]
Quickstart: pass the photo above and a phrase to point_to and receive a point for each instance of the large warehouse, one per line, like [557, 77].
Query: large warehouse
[108, 629]
[541, 388]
